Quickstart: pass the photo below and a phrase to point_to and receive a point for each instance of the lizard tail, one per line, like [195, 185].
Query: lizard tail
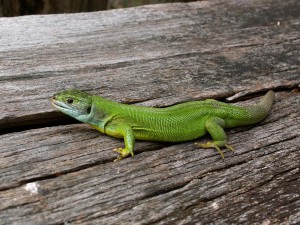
[260, 111]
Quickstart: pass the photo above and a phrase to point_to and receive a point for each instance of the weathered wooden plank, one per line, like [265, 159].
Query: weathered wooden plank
[154, 55]
[162, 184]
[165, 53]
[45, 152]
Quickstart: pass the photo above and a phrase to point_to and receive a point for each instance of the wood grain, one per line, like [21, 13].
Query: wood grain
[164, 54]
[56, 171]
[77, 182]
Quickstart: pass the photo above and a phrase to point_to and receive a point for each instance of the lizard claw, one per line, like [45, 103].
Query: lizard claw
[123, 152]
[216, 146]
[211, 145]
[230, 148]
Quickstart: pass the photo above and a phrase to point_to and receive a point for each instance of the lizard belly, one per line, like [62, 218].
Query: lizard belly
[170, 135]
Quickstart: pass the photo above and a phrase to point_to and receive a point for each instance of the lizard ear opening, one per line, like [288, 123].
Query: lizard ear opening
[88, 110]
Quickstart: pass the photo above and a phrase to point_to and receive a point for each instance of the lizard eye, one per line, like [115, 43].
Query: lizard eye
[88, 110]
[70, 100]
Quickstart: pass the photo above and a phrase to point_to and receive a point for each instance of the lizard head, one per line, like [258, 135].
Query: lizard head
[74, 103]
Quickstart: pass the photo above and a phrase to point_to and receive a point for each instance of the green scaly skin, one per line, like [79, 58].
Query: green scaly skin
[182, 122]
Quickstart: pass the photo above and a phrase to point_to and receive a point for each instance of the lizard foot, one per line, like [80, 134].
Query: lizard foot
[216, 146]
[123, 152]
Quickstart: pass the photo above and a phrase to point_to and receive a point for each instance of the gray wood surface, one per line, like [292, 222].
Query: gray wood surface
[56, 171]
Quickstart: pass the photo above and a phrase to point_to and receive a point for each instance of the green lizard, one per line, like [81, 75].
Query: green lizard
[182, 122]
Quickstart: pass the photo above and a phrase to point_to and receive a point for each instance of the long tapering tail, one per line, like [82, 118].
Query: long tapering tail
[260, 111]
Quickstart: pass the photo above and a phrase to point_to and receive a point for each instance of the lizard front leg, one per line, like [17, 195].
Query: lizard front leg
[215, 127]
[119, 131]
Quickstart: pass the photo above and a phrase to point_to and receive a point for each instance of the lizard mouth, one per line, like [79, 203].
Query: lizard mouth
[60, 105]
[72, 111]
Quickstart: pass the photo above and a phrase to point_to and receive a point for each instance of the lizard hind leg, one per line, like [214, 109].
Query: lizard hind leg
[215, 127]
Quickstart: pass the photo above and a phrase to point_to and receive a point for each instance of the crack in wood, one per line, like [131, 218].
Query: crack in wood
[53, 176]
[54, 118]
[73, 170]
